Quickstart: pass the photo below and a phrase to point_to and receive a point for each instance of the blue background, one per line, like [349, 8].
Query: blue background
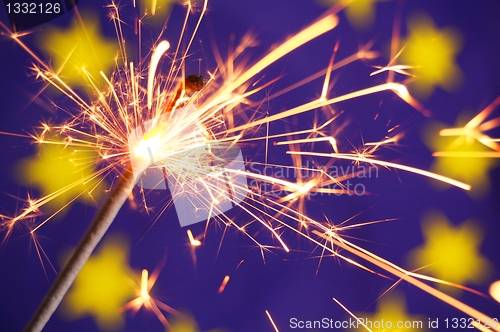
[286, 284]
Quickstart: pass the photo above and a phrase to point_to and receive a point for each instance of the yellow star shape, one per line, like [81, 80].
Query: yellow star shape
[431, 53]
[360, 13]
[458, 164]
[158, 9]
[78, 50]
[63, 173]
[188, 324]
[450, 252]
[391, 315]
[103, 286]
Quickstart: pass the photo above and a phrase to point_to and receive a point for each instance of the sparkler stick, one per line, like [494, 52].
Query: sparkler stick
[101, 223]
[98, 228]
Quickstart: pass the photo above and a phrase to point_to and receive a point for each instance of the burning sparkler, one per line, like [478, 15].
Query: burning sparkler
[170, 126]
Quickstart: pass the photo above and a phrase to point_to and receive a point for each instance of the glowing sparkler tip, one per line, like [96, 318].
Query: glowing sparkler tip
[147, 147]
[144, 286]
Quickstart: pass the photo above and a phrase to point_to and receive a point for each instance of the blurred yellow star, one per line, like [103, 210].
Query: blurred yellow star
[451, 253]
[185, 325]
[78, 50]
[188, 324]
[360, 13]
[431, 53]
[62, 172]
[158, 8]
[453, 158]
[103, 286]
[391, 315]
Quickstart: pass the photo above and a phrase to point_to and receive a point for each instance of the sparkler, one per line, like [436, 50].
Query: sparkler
[93, 236]
[183, 117]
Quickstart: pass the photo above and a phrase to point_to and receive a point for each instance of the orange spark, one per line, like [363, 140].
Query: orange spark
[351, 314]
[272, 321]
[144, 299]
[401, 273]
[495, 290]
[359, 158]
[194, 242]
[223, 284]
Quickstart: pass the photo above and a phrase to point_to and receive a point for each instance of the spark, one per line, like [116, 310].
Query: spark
[194, 242]
[144, 299]
[476, 130]
[400, 69]
[467, 154]
[399, 89]
[223, 284]
[241, 262]
[495, 290]
[403, 274]
[272, 321]
[351, 314]
[362, 158]
[155, 59]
